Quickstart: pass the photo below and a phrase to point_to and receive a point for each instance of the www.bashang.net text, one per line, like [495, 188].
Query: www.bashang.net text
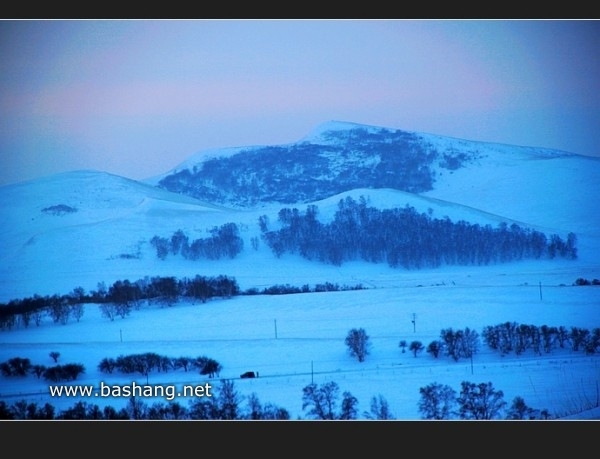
[168, 392]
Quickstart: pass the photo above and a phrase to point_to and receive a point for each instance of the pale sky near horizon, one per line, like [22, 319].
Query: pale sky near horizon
[137, 97]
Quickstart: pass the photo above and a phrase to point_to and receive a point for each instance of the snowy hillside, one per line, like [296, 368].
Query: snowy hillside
[106, 236]
[82, 228]
[78, 226]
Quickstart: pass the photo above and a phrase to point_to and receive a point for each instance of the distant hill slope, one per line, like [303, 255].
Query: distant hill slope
[75, 198]
[83, 227]
[336, 157]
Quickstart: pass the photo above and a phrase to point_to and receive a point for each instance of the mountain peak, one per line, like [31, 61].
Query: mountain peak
[319, 134]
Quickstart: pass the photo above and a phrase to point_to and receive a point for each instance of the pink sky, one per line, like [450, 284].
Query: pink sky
[136, 98]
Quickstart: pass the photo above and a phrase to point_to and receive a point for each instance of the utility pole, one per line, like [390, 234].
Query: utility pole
[414, 322]
[312, 379]
[540, 290]
[275, 320]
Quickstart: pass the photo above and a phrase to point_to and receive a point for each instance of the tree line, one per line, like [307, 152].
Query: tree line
[22, 366]
[224, 241]
[513, 337]
[504, 338]
[147, 362]
[475, 401]
[144, 364]
[117, 300]
[404, 238]
[123, 296]
[226, 403]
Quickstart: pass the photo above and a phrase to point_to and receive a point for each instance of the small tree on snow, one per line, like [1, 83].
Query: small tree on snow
[402, 345]
[435, 347]
[416, 346]
[358, 343]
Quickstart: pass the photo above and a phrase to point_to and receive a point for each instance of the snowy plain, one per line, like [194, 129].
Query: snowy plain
[294, 340]
[297, 339]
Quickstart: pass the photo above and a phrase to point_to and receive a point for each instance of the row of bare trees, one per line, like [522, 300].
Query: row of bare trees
[116, 300]
[402, 237]
[505, 338]
[147, 362]
[224, 241]
[22, 366]
[475, 401]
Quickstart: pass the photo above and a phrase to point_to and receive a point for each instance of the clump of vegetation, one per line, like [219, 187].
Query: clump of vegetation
[474, 402]
[147, 362]
[583, 281]
[224, 241]
[19, 366]
[59, 209]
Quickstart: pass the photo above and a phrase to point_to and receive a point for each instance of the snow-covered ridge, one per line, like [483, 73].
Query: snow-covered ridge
[442, 143]
[317, 134]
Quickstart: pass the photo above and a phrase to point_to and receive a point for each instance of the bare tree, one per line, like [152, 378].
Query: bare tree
[519, 410]
[71, 371]
[380, 409]
[255, 410]
[349, 408]
[321, 400]
[38, 370]
[136, 409]
[228, 400]
[108, 310]
[416, 346]
[207, 366]
[77, 310]
[437, 401]
[358, 343]
[480, 401]
[107, 365]
[435, 347]
[402, 345]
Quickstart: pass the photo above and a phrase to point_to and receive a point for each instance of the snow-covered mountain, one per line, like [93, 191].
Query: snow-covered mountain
[84, 227]
[338, 157]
